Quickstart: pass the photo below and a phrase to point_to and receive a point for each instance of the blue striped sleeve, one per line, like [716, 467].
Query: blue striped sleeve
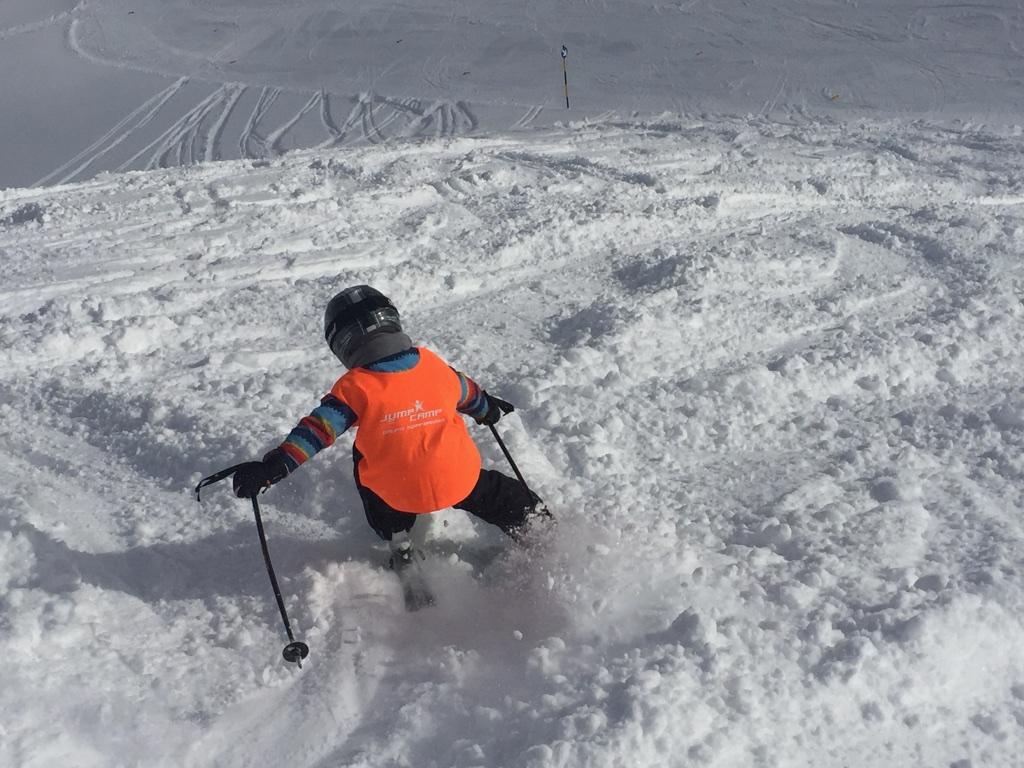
[472, 399]
[317, 431]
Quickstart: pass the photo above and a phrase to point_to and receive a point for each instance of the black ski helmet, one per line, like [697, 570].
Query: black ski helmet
[355, 314]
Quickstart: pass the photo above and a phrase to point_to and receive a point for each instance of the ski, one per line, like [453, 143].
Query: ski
[416, 592]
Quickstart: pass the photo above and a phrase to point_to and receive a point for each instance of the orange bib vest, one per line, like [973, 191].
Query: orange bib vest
[417, 454]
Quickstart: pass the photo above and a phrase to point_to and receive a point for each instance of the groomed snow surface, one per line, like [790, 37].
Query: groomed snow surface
[768, 377]
[94, 85]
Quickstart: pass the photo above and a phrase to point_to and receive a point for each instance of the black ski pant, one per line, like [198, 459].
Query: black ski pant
[496, 499]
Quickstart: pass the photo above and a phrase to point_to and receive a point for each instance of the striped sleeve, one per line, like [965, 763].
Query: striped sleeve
[473, 400]
[317, 431]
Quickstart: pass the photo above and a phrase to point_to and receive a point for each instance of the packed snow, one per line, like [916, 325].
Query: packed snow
[767, 377]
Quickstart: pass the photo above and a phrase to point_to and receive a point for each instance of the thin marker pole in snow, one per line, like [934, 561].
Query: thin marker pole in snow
[565, 74]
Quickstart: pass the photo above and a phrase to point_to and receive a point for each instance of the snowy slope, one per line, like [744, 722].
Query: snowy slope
[129, 84]
[768, 375]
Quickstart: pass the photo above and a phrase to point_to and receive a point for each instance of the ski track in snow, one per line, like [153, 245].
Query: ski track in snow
[443, 70]
[767, 376]
[35, 26]
[198, 134]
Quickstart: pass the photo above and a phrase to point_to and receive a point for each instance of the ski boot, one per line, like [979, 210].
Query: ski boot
[401, 554]
[405, 562]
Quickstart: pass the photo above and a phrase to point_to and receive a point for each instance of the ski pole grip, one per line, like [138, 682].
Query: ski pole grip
[216, 477]
[505, 406]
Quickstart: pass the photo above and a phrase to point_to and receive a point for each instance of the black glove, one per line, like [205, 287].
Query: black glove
[496, 408]
[253, 476]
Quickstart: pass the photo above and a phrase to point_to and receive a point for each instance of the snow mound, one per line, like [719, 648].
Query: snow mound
[767, 376]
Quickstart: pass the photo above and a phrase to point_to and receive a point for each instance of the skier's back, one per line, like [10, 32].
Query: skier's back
[413, 454]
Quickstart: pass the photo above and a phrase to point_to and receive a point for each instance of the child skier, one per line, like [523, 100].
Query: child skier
[413, 453]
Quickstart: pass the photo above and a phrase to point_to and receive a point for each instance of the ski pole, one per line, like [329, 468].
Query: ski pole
[519, 475]
[508, 456]
[295, 651]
